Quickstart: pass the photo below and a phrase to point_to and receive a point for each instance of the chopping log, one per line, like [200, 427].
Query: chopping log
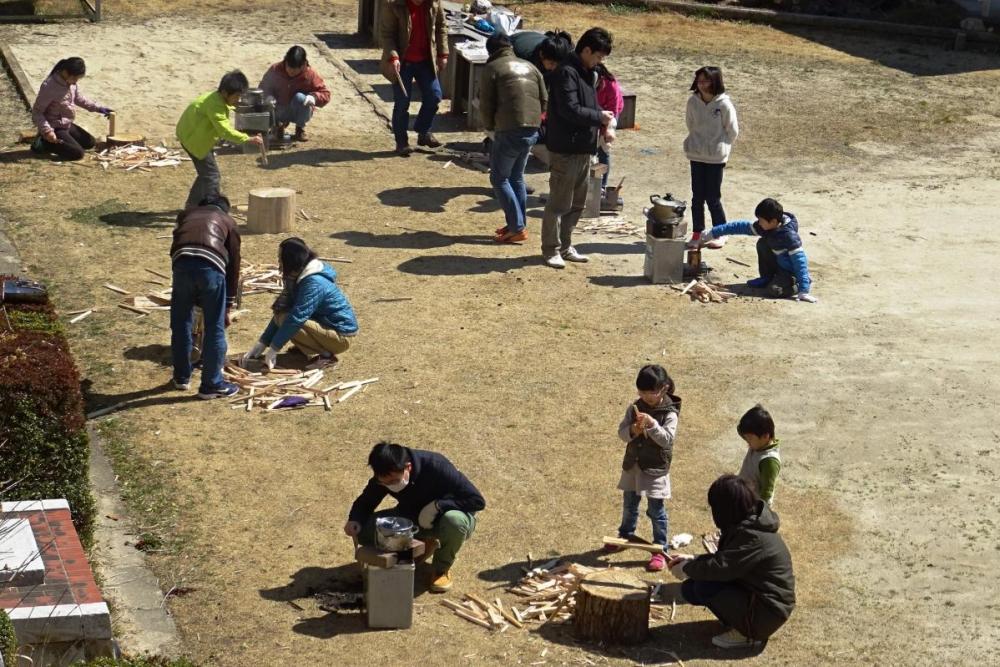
[271, 210]
[125, 139]
[612, 606]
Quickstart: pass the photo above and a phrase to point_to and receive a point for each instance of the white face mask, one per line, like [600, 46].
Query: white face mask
[398, 486]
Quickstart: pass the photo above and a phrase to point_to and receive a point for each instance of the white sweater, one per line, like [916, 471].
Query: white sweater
[712, 129]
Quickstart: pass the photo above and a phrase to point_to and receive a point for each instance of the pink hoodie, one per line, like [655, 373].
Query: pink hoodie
[55, 106]
[609, 96]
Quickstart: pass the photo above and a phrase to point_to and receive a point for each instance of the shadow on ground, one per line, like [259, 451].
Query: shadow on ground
[427, 199]
[464, 265]
[411, 239]
[321, 157]
[163, 394]
[140, 218]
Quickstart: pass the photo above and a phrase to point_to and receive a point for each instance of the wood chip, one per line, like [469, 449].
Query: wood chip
[81, 316]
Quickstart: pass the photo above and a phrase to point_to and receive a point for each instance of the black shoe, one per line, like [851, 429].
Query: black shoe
[529, 190]
[429, 140]
[404, 150]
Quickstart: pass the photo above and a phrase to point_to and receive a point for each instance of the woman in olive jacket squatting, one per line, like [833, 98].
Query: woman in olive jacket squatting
[748, 583]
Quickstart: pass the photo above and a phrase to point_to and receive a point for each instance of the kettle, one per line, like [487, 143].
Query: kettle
[666, 209]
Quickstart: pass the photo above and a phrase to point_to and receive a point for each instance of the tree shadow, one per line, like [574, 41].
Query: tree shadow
[411, 239]
[428, 199]
[140, 218]
[620, 281]
[629, 248]
[464, 265]
[321, 157]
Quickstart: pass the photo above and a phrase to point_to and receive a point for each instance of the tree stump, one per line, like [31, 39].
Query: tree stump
[612, 606]
[271, 210]
[123, 139]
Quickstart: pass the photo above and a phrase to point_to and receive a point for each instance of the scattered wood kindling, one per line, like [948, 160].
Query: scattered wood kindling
[257, 279]
[736, 261]
[705, 292]
[81, 316]
[336, 259]
[612, 227]
[135, 157]
[114, 288]
[269, 390]
[549, 590]
[627, 544]
[157, 273]
[305, 216]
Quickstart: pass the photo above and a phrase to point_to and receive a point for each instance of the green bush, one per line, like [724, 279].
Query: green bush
[43, 437]
[8, 642]
[137, 661]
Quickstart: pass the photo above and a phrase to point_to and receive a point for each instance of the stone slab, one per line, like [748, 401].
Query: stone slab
[20, 560]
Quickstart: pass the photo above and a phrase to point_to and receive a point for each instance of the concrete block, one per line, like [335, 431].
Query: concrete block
[63, 622]
[664, 262]
[20, 560]
[592, 209]
[389, 596]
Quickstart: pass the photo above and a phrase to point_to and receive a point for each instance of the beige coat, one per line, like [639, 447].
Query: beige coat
[395, 32]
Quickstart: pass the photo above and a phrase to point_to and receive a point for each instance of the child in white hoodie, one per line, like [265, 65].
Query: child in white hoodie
[712, 129]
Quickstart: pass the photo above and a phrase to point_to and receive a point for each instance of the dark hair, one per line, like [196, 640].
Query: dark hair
[556, 46]
[597, 40]
[732, 500]
[714, 74]
[73, 66]
[219, 201]
[296, 57]
[233, 82]
[603, 72]
[769, 209]
[652, 377]
[496, 42]
[293, 255]
[388, 457]
[757, 421]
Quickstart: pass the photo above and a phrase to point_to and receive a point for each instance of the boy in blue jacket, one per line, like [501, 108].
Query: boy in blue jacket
[781, 259]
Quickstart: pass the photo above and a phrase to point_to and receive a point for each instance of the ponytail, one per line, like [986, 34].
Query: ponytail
[73, 66]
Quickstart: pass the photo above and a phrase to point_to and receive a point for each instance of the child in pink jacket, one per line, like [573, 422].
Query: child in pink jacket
[609, 97]
[54, 111]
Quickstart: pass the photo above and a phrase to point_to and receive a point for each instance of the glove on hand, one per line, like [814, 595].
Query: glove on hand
[807, 297]
[677, 569]
[104, 111]
[270, 358]
[255, 351]
[427, 515]
[310, 101]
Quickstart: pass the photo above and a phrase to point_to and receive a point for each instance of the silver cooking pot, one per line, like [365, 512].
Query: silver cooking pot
[252, 97]
[666, 208]
[394, 533]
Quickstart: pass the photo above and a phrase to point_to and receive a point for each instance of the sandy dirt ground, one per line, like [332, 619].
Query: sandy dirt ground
[884, 393]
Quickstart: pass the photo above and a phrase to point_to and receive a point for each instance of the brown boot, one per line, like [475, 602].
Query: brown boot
[300, 134]
[429, 140]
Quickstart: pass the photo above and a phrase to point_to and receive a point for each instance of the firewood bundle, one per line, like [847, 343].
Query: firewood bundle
[550, 591]
[706, 292]
[261, 278]
[133, 157]
[490, 615]
[612, 227]
[287, 388]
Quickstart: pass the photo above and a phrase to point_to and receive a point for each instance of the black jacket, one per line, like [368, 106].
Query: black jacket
[574, 117]
[752, 555]
[433, 477]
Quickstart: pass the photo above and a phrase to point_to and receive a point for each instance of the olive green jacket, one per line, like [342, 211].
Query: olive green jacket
[511, 92]
[395, 31]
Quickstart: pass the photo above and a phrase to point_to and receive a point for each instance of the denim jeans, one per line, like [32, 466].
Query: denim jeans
[297, 111]
[430, 96]
[604, 157]
[198, 282]
[507, 162]
[655, 510]
[208, 181]
[706, 188]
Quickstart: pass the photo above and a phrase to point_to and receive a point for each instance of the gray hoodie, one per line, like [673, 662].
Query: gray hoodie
[712, 129]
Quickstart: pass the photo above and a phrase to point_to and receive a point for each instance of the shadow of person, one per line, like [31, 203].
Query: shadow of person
[428, 199]
[411, 239]
[158, 353]
[133, 399]
[140, 218]
[20, 155]
[513, 572]
[321, 157]
[463, 265]
[620, 281]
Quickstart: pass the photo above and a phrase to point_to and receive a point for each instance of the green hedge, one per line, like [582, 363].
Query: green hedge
[44, 450]
[8, 642]
[137, 661]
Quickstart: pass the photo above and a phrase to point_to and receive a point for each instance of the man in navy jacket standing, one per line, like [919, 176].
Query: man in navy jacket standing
[430, 491]
[573, 122]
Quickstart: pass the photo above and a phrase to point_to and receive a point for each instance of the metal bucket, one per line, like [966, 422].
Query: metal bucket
[394, 533]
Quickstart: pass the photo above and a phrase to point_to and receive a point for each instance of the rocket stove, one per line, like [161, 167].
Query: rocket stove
[389, 572]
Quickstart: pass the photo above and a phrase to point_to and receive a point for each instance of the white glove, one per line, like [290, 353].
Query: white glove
[705, 237]
[310, 101]
[254, 352]
[270, 358]
[677, 569]
[428, 514]
[807, 297]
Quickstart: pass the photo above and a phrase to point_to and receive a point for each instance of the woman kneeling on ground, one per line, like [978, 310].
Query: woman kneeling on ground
[311, 312]
[54, 111]
[748, 583]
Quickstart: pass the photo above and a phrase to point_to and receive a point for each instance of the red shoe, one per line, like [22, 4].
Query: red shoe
[657, 563]
[500, 231]
[516, 237]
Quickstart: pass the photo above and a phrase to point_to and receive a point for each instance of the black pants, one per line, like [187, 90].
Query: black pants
[767, 264]
[74, 140]
[706, 188]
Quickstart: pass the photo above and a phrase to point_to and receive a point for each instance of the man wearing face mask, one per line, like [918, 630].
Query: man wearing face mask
[430, 491]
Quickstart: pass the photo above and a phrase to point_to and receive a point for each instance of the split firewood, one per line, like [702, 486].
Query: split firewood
[115, 288]
[706, 292]
[81, 316]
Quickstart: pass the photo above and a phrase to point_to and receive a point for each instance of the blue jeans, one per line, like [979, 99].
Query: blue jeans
[604, 157]
[198, 282]
[507, 162]
[296, 112]
[430, 95]
[655, 510]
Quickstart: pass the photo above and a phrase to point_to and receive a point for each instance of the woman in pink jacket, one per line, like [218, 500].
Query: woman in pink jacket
[55, 110]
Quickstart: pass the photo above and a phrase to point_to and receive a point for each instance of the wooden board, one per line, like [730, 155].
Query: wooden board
[643, 546]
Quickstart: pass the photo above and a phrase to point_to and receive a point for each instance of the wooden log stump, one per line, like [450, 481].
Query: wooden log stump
[123, 139]
[612, 606]
[271, 210]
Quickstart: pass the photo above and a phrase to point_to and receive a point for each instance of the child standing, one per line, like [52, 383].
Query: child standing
[649, 427]
[712, 129]
[782, 262]
[54, 111]
[762, 463]
[609, 98]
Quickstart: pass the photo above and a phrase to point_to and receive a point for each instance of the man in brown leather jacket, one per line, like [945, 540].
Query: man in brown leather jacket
[414, 46]
[206, 273]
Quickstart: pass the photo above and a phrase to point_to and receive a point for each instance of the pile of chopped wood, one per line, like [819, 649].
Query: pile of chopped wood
[616, 226]
[550, 590]
[139, 157]
[492, 616]
[260, 278]
[705, 292]
[287, 388]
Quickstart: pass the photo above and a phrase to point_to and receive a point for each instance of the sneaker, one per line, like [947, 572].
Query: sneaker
[300, 134]
[733, 638]
[182, 386]
[325, 360]
[571, 255]
[429, 140]
[716, 244]
[529, 190]
[695, 241]
[404, 150]
[513, 237]
[500, 231]
[224, 390]
[442, 582]
[38, 146]
[555, 261]
[758, 283]
[777, 291]
[657, 563]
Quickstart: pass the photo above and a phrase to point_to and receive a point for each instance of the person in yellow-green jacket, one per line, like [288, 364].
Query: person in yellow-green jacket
[203, 123]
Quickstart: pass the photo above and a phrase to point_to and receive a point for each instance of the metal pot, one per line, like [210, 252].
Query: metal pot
[666, 208]
[253, 97]
[394, 533]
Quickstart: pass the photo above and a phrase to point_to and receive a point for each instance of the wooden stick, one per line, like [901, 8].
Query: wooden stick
[399, 80]
[157, 273]
[305, 215]
[336, 259]
[689, 286]
[113, 288]
[570, 593]
[111, 124]
[673, 609]
[346, 396]
[263, 154]
[642, 546]
[141, 311]
[620, 183]
[81, 316]
[736, 261]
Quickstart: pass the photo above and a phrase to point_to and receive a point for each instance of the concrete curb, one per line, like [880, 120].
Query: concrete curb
[21, 81]
[367, 92]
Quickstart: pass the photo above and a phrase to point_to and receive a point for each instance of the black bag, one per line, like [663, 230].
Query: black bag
[23, 291]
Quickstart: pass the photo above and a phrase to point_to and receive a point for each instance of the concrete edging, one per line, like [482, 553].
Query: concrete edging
[21, 81]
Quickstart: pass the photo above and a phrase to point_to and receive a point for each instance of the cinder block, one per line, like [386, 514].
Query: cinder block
[389, 596]
[664, 261]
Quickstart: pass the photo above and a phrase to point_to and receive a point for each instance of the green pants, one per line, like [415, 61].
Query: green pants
[451, 530]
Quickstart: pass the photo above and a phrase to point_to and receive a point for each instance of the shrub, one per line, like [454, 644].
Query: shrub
[46, 452]
[8, 642]
[137, 661]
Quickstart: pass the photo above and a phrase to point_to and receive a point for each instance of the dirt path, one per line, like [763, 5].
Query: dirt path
[883, 392]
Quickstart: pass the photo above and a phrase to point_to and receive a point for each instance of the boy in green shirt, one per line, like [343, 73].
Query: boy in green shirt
[203, 123]
[763, 460]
